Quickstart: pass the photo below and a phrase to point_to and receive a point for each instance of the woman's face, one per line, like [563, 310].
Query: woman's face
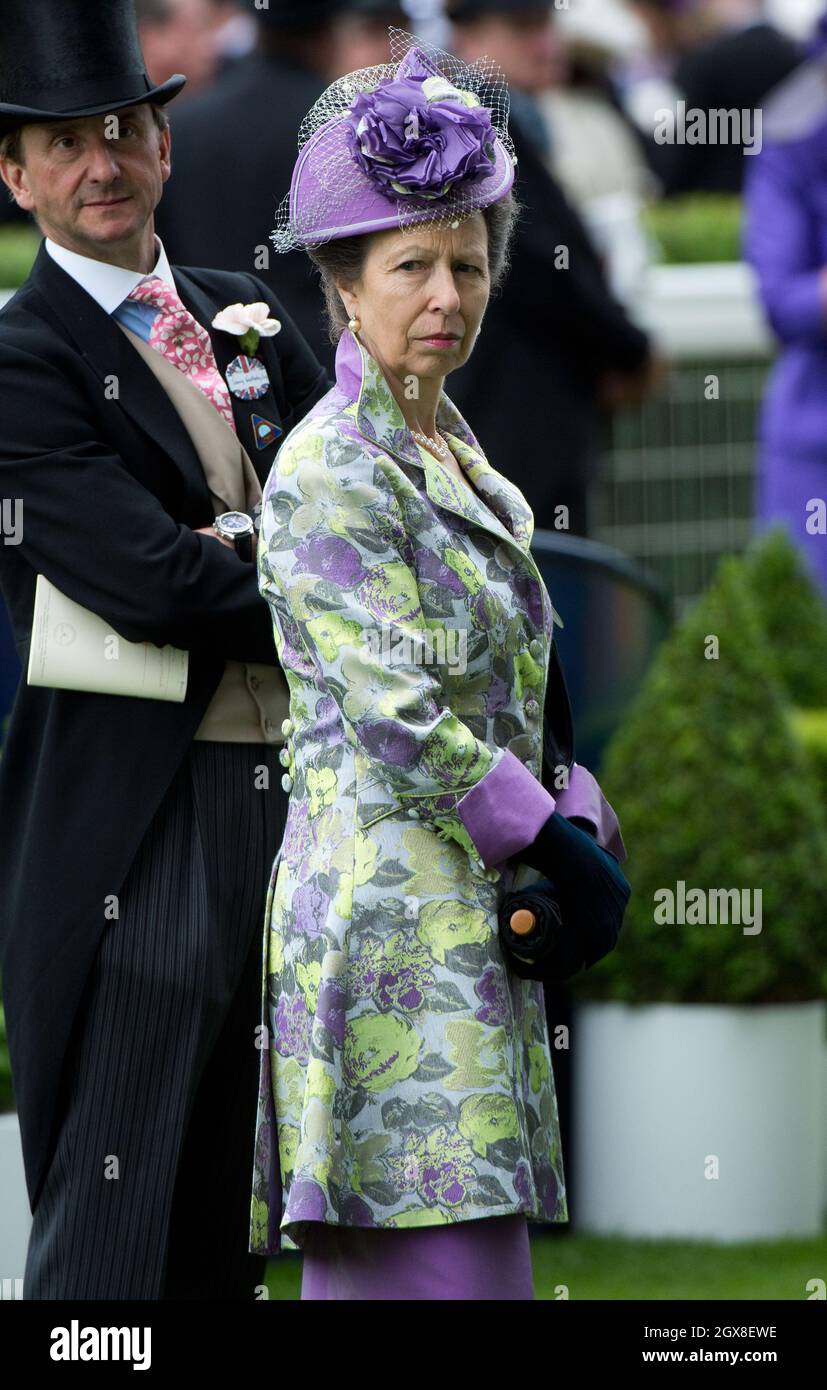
[421, 297]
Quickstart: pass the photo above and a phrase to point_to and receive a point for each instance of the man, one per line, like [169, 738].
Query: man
[738, 58]
[235, 147]
[137, 833]
[361, 33]
[172, 32]
[555, 339]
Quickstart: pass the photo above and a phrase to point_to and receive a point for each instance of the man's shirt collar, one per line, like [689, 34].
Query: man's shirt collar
[108, 285]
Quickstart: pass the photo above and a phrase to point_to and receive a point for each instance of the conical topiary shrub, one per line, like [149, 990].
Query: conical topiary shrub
[713, 789]
[793, 613]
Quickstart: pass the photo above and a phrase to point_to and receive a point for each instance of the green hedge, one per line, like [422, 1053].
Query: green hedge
[696, 228]
[714, 784]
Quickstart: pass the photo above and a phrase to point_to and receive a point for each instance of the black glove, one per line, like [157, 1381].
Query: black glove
[590, 890]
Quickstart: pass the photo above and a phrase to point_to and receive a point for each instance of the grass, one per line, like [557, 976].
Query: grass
[587, 1267]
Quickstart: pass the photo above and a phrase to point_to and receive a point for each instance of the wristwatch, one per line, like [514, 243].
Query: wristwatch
[237, 527]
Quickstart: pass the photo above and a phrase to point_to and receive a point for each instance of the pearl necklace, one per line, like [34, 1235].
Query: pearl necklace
[441, 447]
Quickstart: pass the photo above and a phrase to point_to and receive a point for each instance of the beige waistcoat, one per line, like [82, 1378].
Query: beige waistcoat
[251, 699]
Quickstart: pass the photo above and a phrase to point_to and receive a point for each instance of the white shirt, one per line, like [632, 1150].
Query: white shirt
[108, 284]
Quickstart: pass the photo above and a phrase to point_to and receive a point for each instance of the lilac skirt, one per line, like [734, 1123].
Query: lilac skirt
[483, 1259]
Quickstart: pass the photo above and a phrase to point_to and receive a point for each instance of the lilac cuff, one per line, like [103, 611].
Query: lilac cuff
[583, 797]
[505, 810]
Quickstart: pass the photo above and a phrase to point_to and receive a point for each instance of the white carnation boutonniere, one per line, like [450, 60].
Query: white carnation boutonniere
[249, 322]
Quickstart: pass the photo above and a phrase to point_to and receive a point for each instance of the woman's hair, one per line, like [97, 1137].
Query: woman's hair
[344, 259]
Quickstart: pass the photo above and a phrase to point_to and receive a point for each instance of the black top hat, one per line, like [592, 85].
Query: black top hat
[462, 11]
[298, 14]
[72, 58]
[376, 9]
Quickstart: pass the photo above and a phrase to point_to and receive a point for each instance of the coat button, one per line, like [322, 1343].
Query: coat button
[268, 726]
[284, 757]
[286, 726]
[532, 708]
[287, 782]
[254, 682]
[535, 646]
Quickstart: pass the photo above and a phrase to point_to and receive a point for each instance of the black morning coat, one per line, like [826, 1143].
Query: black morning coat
[112, 492]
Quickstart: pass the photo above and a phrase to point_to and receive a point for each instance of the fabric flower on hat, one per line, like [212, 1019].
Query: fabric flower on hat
[419, 135]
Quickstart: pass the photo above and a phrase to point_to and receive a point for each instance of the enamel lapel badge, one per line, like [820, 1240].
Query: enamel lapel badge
[265, 432]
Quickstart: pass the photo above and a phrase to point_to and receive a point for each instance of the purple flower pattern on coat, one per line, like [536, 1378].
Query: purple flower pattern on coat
[292, 1030]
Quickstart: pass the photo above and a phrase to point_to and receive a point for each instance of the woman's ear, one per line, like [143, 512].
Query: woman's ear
[349, 299]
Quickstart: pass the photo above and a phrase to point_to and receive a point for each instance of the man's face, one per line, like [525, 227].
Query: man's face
[526, 44]
[93, 182]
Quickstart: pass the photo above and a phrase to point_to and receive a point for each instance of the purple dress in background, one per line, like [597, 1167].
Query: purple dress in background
[786, 243]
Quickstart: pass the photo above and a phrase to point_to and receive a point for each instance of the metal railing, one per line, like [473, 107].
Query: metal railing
[676, 485]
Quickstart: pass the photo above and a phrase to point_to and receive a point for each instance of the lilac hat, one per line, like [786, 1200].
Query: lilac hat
[423, 139]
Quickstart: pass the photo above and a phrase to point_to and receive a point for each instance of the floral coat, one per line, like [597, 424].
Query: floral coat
[405, 1071]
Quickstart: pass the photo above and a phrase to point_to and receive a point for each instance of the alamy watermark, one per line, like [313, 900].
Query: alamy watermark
[684, 906]
[396, 646]
[718, 126]
[11, 520]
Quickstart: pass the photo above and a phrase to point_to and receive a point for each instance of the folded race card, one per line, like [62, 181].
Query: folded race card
[74, 649]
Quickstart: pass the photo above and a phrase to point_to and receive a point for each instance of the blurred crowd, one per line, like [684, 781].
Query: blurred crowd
[589, 83]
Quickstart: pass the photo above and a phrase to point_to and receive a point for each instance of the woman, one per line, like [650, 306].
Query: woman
[408, 1075]
[785, 240]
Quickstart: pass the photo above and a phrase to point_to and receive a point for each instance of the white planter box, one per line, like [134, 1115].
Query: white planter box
[15, 1216]
[662, 1091]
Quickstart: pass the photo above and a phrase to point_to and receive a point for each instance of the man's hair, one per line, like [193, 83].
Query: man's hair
[154, 12]
[11, 144]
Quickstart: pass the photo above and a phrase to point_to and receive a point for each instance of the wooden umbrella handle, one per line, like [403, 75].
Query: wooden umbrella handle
[523, 921]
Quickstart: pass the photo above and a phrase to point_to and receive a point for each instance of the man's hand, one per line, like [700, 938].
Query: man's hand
[626, 390]
[211, 531]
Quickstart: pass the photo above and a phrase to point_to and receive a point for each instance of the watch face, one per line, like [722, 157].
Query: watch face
[236, 522]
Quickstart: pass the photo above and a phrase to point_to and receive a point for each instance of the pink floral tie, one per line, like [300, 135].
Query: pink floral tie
[184, 342]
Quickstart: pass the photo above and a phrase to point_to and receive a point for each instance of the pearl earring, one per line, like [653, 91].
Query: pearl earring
[354, 325]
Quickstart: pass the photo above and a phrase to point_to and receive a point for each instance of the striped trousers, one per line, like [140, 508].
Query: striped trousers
[148, 1191]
